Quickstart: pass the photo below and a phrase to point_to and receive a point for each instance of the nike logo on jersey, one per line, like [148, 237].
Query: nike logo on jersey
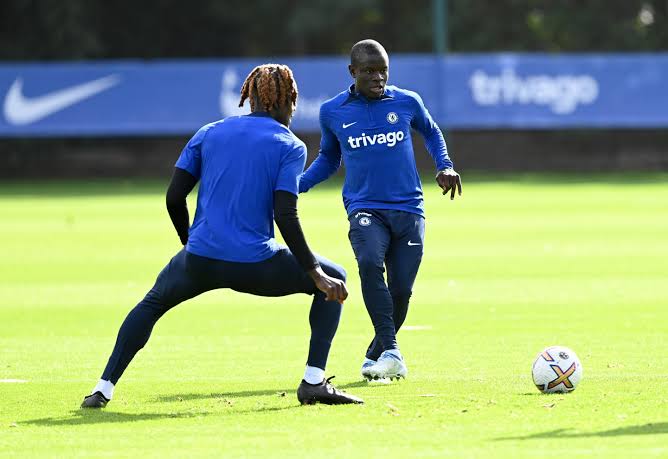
[413, 243]
[20, 110]
[346, 126]
[390, 139]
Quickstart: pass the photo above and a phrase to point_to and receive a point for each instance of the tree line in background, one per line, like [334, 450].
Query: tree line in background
[85, 29]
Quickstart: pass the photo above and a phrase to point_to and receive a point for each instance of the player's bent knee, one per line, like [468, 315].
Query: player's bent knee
[158, 302]
[335, 271]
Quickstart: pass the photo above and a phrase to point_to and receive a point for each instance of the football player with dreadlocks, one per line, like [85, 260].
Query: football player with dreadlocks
[248, 168]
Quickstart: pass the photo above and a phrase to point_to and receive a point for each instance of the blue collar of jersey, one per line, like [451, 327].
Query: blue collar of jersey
[263, 114]
[352, 95]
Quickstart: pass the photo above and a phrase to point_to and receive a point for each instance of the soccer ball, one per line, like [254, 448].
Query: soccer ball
[556, 369]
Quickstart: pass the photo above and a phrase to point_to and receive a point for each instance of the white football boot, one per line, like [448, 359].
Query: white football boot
[368, 363]
[388, 366]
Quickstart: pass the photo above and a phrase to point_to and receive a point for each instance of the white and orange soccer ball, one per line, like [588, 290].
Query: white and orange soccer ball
[556, 369]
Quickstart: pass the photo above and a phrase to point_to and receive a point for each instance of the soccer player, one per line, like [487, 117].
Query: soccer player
[248, 168]
[369, 126]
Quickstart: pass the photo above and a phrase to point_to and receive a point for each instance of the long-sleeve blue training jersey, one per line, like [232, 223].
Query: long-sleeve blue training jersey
[374, 138]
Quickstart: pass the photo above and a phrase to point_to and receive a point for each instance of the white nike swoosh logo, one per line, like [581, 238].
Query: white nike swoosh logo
[413, 243]
[19, 110]
[345, 126]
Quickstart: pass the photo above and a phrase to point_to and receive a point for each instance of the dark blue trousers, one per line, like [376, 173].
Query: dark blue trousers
[188, 275]
[392, 239]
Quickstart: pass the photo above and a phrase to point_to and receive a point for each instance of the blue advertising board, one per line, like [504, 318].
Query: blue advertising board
[474, 91]
[556, 91]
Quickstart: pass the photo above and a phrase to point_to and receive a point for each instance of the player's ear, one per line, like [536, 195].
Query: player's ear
[351, 69]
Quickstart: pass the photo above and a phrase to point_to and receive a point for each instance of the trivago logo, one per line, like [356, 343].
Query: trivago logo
[390, 139]
[561, 93]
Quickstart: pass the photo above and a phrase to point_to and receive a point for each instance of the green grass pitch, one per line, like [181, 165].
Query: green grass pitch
[518, 263]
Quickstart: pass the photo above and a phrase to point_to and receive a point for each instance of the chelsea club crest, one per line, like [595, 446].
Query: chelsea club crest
[392, 118]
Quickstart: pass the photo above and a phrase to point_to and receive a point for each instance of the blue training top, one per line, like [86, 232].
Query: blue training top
[374, 138]
[240, 161]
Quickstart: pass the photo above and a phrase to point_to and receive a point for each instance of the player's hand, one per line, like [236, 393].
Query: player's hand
[449, 180]
[335, 289]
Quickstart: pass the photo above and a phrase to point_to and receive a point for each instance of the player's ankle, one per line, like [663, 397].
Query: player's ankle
[106, 388]
[314, 375]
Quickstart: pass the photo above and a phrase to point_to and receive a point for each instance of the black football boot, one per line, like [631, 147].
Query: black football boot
[310, 394]
[96, 400]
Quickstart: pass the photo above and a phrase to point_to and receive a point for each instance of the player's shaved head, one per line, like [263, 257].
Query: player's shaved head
[369, 67]
[364, 48]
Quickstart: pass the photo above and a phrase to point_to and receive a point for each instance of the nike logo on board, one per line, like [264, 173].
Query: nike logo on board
[20, 110]
[345, 126]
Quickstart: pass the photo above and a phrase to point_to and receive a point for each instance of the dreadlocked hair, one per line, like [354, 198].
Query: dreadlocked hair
[272, 85]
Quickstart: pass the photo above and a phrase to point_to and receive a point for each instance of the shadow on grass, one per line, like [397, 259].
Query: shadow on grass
[355, 384]
[83, 417]
[88, 416]
[644, 429]
[279, 393]
[214, 395]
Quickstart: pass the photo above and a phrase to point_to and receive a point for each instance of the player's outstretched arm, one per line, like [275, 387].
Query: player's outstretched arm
[447, 178]
[180, 186]
[328, 160]
[287, 220]
[322, 168]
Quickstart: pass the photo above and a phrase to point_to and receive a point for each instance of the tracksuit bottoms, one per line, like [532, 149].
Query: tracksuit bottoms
[188, 275]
